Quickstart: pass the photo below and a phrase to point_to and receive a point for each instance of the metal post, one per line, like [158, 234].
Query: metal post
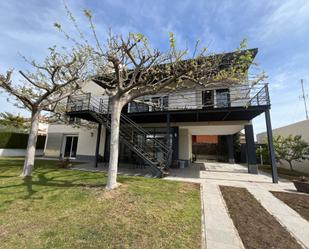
[230, 148]
[168, 132]
[274, 171]
[168, 124]
[250, 145]
[304, 97]
[97, 146]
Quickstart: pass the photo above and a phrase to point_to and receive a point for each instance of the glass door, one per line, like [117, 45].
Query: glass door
[208, 99]
[70, 147]
[223, 98]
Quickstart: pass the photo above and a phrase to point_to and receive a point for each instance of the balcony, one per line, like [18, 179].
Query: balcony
[237, 96]
[234, 103]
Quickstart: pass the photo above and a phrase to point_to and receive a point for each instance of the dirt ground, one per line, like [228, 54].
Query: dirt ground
[298, 202]
[257, 228]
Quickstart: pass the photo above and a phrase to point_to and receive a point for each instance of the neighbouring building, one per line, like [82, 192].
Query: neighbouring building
[159, 130]
[300, 128]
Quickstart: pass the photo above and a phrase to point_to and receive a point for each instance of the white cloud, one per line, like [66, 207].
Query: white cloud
[288, 18]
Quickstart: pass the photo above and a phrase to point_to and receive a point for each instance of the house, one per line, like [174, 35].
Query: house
[300, 128]
[157, 130]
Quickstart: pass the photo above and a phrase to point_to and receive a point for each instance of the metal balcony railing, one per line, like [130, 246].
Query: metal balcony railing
[236, 96]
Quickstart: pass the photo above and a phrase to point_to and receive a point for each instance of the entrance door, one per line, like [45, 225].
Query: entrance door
[70, 147]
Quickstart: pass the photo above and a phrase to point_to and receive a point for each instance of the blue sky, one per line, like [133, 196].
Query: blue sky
[280, 29]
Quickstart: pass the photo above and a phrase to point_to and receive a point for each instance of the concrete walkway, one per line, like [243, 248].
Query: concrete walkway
[219, 230]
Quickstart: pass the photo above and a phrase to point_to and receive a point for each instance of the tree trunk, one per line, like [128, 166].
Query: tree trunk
[30, 153]
[291, 166]
[116, 107]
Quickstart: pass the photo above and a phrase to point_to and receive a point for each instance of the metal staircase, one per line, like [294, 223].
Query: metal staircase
[156, 156]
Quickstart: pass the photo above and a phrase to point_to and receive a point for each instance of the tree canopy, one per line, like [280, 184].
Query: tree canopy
[291, 149]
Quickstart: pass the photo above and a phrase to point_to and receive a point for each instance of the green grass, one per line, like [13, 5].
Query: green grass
[61, 208]
[283, 172]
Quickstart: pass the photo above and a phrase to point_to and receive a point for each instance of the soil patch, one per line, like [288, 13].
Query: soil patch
[257, 228]
[298, 202]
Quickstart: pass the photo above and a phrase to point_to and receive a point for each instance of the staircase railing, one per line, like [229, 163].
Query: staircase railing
[131, 133]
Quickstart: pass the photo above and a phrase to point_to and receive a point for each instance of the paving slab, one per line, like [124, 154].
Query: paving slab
[219, 229]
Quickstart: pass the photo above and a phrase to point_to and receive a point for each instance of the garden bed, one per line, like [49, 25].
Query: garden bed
[298, 202]
[283, 172]
[257, 228]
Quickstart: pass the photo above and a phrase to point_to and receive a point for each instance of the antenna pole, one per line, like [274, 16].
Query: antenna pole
[304, 97]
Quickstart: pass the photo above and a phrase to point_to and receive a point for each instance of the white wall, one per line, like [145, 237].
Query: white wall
[299, 128]
[86, 140]
[185, 144]
[186, 99]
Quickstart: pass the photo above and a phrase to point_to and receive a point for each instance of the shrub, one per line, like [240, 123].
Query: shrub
[12, 140]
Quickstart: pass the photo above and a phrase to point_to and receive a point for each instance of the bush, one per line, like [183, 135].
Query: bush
[263, 150]
[12, 140]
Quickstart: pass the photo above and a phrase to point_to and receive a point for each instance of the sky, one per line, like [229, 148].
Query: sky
[278, 28]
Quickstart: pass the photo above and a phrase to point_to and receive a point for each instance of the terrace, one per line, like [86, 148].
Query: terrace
[223, 104]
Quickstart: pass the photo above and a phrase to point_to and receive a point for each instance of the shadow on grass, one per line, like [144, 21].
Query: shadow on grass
[44, 182]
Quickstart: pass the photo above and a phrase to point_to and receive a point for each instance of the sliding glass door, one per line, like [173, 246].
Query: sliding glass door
[70, 146]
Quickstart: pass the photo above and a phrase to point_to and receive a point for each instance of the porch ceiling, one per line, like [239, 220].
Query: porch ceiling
[214, 129]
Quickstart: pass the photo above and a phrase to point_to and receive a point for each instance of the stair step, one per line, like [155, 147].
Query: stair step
[127, 128]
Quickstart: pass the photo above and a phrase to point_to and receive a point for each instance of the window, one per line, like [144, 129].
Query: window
[208, 98]
[152, 104]
[159, 103]
[222, 98]
[138, 107]
[74, 120]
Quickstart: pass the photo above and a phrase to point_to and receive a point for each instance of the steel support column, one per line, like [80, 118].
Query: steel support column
[250, 147]
[274, 172]
[168, 137]
[97, 149]
[230, 148]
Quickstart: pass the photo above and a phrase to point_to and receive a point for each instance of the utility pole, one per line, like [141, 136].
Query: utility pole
[304, 96]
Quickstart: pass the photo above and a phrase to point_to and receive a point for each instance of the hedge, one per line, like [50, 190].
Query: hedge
[13, 140]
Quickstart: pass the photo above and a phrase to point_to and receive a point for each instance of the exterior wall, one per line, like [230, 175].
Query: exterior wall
[186, 99]
[185, 145]
[299, 128]
[93, 88]
[237, 98]
[212, 139]
[86, 140]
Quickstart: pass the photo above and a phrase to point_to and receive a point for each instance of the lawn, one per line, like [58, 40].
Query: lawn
[283, 172]
[61, 208]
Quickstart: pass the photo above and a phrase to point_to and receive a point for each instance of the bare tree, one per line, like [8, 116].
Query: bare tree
[43, 89]
[128, 68]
